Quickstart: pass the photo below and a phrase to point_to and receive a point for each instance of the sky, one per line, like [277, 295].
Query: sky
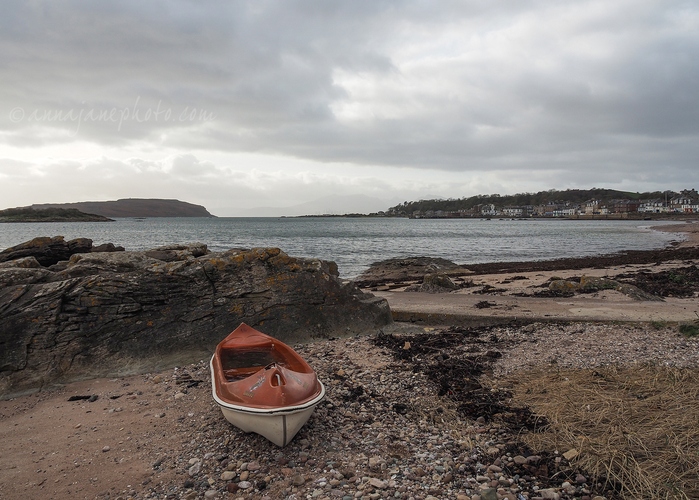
[287, 107]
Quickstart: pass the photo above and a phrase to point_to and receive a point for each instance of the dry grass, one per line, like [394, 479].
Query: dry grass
[637, 426]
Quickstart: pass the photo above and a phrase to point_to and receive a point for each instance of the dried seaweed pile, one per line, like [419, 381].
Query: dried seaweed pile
[456, 361]
[682, 282]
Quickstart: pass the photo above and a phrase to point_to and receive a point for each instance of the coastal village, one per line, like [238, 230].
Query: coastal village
[684, 202]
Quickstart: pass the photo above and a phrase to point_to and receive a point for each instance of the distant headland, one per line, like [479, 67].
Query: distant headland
[28, 214]
[133, 207]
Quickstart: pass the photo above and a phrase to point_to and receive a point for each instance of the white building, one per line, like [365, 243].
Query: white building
[653, 206]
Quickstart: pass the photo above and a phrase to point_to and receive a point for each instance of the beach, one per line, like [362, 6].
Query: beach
[394, 424]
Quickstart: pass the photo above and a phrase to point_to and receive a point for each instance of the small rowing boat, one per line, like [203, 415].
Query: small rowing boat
[262, 385]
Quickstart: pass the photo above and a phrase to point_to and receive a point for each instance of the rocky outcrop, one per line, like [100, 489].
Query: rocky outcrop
[434, 283]
[109, 314]
[406, 269]
[47, 251]
[107, 247]
[592, 284]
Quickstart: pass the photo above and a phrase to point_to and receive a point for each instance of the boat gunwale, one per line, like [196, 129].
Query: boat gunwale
[262, 411]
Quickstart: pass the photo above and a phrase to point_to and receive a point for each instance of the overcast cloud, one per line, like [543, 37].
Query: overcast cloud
[235, 105]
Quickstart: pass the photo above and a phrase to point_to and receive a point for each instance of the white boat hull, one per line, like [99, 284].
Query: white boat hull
[278, 425]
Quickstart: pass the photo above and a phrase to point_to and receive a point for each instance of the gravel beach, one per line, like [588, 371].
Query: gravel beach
[383, 431]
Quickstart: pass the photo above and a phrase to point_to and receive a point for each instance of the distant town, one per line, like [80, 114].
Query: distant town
[593, 203]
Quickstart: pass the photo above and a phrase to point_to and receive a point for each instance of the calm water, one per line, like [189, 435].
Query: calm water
[356, 243]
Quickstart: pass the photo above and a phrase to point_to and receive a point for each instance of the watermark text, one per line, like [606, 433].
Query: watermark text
[120, 116]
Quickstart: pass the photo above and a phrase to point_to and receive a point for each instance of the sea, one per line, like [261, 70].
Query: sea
[355, 243]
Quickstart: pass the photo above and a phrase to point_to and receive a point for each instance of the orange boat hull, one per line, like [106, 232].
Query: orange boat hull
[263, 385]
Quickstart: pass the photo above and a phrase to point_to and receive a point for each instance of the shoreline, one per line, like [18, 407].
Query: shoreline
[689, 227]
[686, 249]
[501, 293]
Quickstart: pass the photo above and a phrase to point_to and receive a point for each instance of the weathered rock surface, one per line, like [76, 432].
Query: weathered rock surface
[108, 314]
[21, 263]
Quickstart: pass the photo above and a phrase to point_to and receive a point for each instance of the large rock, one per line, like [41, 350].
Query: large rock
[46, 250]
[112, 314]
[434, 283]
[592, 284]
[107, 247]
[407, 269]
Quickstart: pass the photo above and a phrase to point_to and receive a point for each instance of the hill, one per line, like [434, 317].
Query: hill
[29, 214]
[135, 207]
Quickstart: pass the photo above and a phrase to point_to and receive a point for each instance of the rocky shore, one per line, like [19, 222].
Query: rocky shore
[529, 409]
[401, 272]
[410, 413]
[68, 313]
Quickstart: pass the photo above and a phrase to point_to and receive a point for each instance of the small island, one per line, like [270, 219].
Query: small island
[29, 214]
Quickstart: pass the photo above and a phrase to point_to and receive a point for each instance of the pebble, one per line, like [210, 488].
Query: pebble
[549, 494]
[227, 475]
[489, 494]
[106, 449]
[244, 485]
[253, 466]
[194, 469]
[378, 483]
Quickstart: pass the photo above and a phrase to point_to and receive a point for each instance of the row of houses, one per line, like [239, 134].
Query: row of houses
[685, 203]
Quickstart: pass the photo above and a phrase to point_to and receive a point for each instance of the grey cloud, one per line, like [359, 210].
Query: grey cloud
[567, 87]
[10, 168]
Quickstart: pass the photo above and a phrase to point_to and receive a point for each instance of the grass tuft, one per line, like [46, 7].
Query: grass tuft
[689, 330]
[634, 427]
